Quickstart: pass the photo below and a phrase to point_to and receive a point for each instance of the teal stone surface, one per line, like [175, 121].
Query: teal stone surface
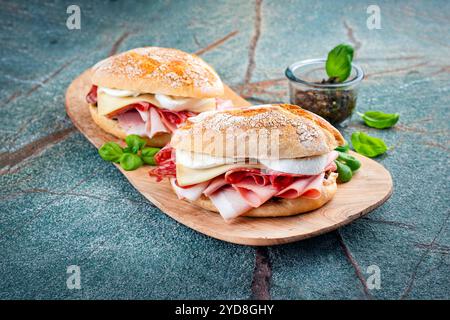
[62, 205]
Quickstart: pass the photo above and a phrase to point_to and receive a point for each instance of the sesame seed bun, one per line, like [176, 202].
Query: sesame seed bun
[158, 70]
[248, 133]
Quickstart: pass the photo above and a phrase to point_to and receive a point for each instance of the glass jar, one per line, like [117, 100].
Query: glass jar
[308, 89]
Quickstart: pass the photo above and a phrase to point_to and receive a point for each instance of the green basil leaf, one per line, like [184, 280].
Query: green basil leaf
[148, 155]
[343, 148]
[345, 174]
[379, 120]
[367, 145]
[135, 143]
[349, 160]
[128, 150]
[130, 161]
[339, 62]
[110, 151]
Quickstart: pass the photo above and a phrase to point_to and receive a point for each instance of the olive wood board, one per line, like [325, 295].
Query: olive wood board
[369, 188]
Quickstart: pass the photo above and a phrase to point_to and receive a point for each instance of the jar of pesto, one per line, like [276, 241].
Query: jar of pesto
[308, 89]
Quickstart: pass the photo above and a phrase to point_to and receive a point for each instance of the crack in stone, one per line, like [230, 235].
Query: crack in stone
[412, 279]
[437, 145]
[351, 36]
[50, 77]
[442, 69]
[435, 247]
[354, 264]
[397, 70]
[11, 159]
[11, 98]
[262, 275]
[45, 206]
[253, 43]
[216, 43]
[249, 90]
[402, 58]
[389, 222]
[37, 86]
[116, 45]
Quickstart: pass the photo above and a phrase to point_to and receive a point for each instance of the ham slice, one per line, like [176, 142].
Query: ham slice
[229, 203]
[131, 122]
[144, 120]
[190, 192]
[253, 193]
[156, 124]
[241, 189]
[215, 185]
[309, 187]
[91, 97]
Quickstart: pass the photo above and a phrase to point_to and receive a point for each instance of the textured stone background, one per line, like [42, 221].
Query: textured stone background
[62, 205]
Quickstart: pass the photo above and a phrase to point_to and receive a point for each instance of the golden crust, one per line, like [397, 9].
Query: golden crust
[266, 131]
[112, 126]
[158, 70]
[283, 207]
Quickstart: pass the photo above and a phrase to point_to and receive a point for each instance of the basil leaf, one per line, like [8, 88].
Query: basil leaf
[379, 120]
[130, 161]
[148, 155]
[345, 174]
[339, 62]
[135, 143]
[128, 150]
[367, 145]
[343, 148]
[111, 151]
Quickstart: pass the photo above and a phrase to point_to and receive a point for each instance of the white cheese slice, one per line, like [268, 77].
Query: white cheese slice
[187, 176]
[181, 103]
[118, 93]
[200, 161]
[108, 104]
[307, 166]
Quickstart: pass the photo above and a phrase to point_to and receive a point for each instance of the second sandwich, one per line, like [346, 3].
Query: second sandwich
[150, 91]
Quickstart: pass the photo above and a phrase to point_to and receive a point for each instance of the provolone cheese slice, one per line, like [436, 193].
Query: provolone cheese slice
[187, 176]
[108, 104]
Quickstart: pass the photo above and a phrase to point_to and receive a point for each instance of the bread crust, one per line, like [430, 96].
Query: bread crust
[280, 131]
[112, 126]
[283, 207]
[158, 70]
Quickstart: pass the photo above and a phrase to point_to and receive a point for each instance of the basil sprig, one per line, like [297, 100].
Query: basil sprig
[133, 156]
[346, 164]
[379, 120]
[111, 151]
[148, 155]
[367, 145]
[339, 63]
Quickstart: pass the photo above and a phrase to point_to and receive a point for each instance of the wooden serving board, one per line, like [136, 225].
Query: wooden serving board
[370, 187]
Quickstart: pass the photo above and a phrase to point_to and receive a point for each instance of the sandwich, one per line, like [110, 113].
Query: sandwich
[151, 91]
[261, 161]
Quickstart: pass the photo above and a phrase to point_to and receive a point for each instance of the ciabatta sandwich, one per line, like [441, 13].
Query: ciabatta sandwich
[150, 92]
[261, 161]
